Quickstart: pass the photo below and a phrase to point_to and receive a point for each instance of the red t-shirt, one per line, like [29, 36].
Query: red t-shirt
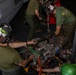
[51, 17]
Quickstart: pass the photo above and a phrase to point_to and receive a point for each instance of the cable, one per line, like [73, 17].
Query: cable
[39, 63]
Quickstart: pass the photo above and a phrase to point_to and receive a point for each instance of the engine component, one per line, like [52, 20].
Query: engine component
[45, 50]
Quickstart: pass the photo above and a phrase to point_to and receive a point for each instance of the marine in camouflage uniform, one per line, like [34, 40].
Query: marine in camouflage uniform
[31, 14]
[66, 20]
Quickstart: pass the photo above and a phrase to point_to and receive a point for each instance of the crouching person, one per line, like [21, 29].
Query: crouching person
[10, 61]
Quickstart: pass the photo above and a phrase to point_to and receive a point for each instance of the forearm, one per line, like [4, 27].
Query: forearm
[17, 44]
[58, 28]
[14, 44]
[5, 44]
[20, 44]
[56, 69]
[37, 13]
[24, 62]
[48, 70]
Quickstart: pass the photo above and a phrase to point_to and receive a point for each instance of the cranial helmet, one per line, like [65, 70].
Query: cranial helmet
[4, 29]
[68, 69]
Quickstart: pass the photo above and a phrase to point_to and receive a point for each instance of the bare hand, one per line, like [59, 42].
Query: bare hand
[30, 57]
[38, 69]
[40, 18]
[31, 42]
[57, 69]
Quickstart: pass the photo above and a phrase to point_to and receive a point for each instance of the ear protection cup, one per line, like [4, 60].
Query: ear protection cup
[5, 30]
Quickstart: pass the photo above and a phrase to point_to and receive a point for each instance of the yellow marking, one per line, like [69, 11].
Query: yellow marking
[26, 69]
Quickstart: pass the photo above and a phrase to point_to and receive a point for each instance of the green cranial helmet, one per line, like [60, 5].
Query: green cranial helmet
[68, 69]
[4, 29]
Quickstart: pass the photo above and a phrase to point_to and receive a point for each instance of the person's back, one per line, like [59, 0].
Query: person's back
[64, 16]
[32, 6]
[9, 59]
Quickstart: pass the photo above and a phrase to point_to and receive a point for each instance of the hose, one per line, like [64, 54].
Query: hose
[39, 63]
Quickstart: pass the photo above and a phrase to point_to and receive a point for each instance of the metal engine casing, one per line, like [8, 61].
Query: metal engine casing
[45, 49]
